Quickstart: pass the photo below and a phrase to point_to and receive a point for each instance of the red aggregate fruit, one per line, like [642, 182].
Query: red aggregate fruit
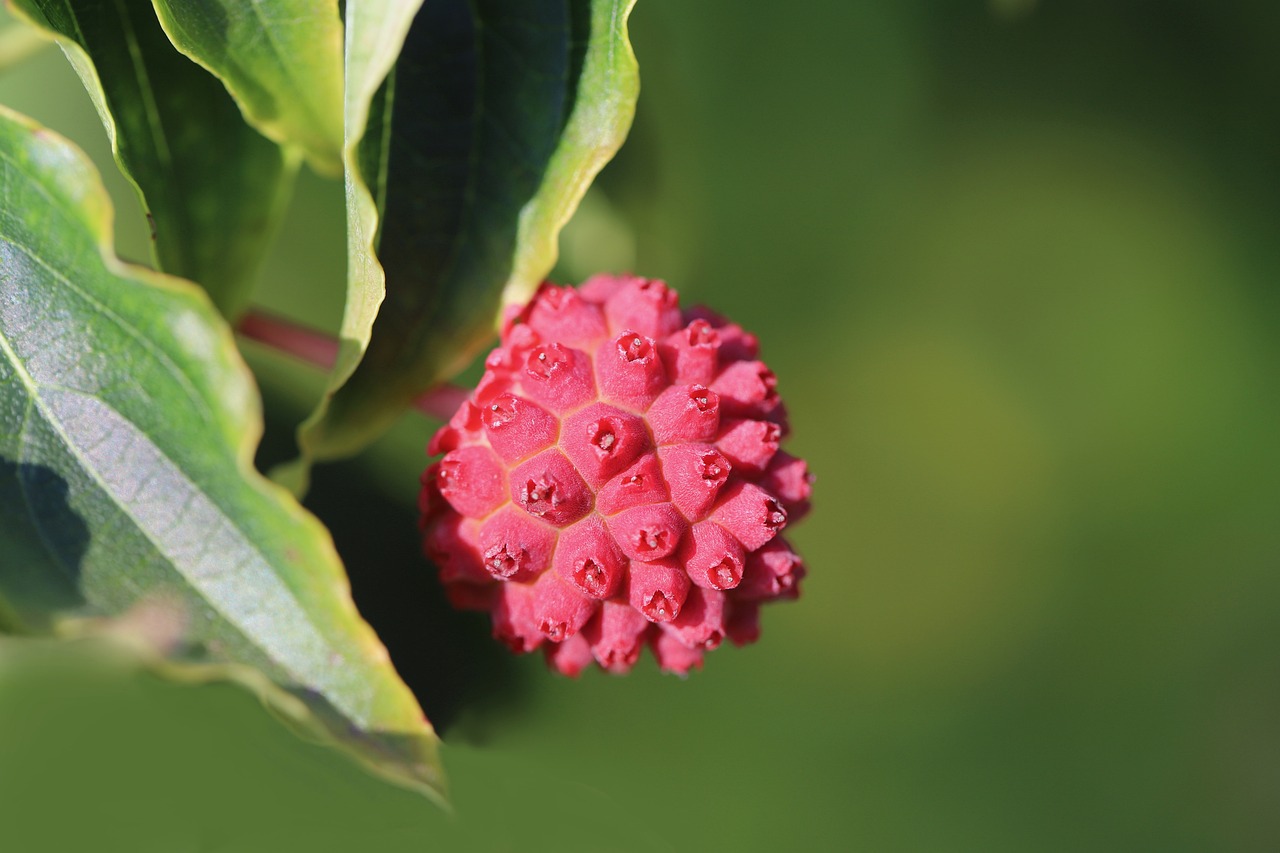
[615, 482]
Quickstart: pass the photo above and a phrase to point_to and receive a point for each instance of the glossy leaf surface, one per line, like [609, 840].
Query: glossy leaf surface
[282, 61]
[475, 150]
[212, 186]
[127, 428]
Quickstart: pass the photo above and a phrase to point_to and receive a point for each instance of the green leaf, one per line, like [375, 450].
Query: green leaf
[213, 188]
[127, 428]
[474, 152]
[282, 61]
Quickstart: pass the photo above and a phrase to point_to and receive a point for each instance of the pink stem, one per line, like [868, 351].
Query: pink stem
[320, 350]
[314, 347]
[441, 401]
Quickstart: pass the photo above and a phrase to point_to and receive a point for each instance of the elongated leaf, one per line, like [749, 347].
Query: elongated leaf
[476, 149]
[375, 31]
[127, 427]
[213, 187]
[282, 61]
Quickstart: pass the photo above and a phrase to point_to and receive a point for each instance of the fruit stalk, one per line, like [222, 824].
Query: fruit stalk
[320, 349]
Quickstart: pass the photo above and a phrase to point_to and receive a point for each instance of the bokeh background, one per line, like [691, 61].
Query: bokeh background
[1015, 264]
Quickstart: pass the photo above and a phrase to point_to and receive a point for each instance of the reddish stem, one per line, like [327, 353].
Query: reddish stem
[303, 343]
[321, 350]
[442, 401]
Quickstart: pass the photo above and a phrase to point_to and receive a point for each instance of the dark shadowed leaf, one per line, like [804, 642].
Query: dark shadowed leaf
[127, 427]
[474, 151]
[212, 186]
[282, 61]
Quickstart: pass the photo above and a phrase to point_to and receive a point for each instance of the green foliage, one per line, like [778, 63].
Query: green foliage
[213, 187]
[282, 61]
[1016, 273]
[472, 154]
[129, 503]
[127, 424]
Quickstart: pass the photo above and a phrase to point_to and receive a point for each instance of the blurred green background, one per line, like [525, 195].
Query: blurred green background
[1015, 264]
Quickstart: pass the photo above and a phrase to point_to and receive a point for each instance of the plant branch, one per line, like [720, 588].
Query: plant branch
[320, 349]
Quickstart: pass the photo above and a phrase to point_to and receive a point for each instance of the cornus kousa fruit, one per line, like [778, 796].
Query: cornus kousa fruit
[615, 481]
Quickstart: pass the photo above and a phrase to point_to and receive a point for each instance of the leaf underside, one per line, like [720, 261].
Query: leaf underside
[476, 149]
[213, 187]
[127, 426]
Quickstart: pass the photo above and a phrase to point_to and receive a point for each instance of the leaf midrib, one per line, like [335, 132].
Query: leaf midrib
[152, 109]
[35, 400]
[160, 355]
